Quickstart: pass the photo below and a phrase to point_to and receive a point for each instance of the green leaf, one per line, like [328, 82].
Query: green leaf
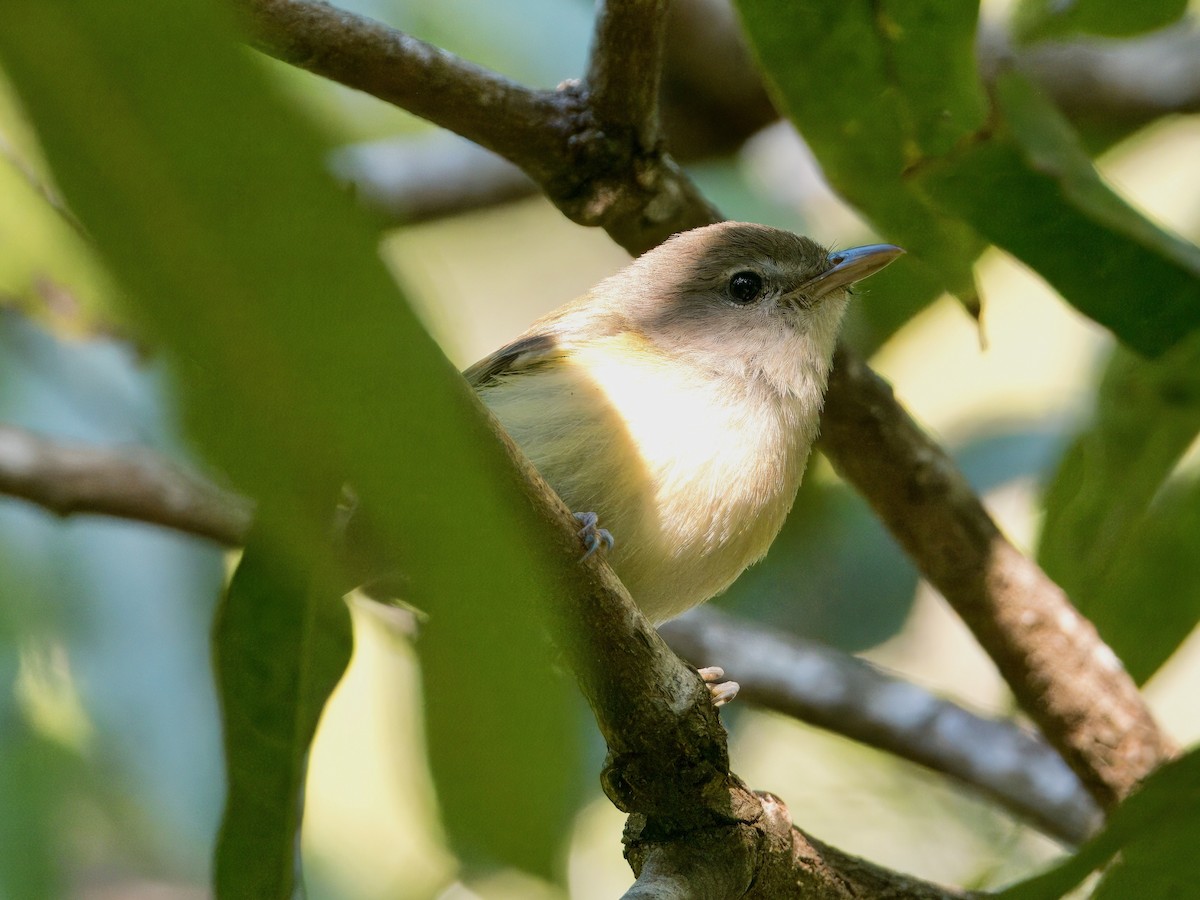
[1028, 187]
[281, 641]
[888, 98]
[876, 88]
[1150, 601]
[1126, 567]
[31, 777]
[1155, 831]
[1036, 20]
[300, 364]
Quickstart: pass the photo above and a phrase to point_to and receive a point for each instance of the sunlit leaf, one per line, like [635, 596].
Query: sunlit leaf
[1030, 188]
[298, 361]
[888, 97]
[1155, 831]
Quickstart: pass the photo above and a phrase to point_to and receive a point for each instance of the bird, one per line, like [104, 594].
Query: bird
[675, 404]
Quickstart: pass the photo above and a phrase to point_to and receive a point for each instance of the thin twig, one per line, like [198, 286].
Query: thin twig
[129, 483]
[833, 690]
[39, 185]
[428, 177]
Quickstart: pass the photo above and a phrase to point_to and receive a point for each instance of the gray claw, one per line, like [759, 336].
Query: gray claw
[592, 536]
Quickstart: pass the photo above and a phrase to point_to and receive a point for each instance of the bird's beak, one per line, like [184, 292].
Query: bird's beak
[848, 266]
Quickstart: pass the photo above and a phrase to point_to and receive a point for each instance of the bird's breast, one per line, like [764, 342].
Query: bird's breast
[691, 472]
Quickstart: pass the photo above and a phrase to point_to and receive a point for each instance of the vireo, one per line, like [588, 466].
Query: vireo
[678, 400]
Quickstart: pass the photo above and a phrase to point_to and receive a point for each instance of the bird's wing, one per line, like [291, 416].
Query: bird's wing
[522, 355]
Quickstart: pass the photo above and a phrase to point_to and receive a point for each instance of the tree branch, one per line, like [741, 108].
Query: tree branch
[626, 65]
[129, 483]
[428, 177]
[362, 53]
[668, 763]
[1065, 677]
[836, 691]
[1106, 81]
[711, 110]
[639, 195]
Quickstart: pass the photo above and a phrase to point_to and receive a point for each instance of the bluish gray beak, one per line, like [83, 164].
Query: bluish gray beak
[848, 266]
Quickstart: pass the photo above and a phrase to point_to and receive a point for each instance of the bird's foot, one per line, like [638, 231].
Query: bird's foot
[722, 691]
[592, 535]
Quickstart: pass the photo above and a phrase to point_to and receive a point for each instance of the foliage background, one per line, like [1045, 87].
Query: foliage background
[109, 745]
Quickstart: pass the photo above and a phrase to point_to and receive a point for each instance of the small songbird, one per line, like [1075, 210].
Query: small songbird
[678, 400]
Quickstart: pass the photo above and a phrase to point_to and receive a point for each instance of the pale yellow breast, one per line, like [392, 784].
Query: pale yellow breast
[693, 476]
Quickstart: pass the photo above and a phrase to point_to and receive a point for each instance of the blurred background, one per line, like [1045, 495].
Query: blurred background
[109, 743]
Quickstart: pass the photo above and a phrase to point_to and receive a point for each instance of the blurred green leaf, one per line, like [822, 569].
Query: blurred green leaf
[281, 641]
[1155, 831]
[1126, 568]
[1028, 187]
[1036, 20]
[31, 775]
[299, 363]
[876, 88]
[30, 788]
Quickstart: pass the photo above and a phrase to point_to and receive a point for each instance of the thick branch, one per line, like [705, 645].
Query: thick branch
[626, 65]
[577, 158]
[795, 866]
[362, 53]
[1065, 677]
[710, 110]
[836, 691]
[668, 761]
[127, 483]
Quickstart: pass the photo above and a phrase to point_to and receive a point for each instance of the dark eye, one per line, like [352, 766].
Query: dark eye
[744, 287]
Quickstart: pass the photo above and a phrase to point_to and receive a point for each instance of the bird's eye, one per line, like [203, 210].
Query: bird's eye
[744, 287]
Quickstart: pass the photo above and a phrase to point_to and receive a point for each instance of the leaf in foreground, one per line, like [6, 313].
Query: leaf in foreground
[1155, 831]
[298, 362]
[280, 643]
[888, 96]
[1029, 187]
